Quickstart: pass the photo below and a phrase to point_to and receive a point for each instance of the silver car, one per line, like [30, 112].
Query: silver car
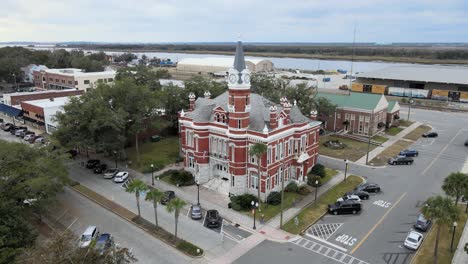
[110, 173]
[196, 212]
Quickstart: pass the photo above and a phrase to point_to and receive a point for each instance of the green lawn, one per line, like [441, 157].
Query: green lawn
[393, 130]
[314, 211]
[353, 151]
[329, 173]
[426, 252]
[405, 123]
[160, 154]
[417, 133]
[391, 151]
[271, 211]
[379, 139]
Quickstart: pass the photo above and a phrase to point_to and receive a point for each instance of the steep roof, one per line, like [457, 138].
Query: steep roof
[365, 101]
[259, 112]
[393, 106]
[239, 62]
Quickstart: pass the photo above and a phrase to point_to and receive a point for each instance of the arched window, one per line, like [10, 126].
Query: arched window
[217, 118]
[224, 119]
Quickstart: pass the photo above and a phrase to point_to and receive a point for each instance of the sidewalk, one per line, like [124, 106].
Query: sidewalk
[392, 140]
[461, 256]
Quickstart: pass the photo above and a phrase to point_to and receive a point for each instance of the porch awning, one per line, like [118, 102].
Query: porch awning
[303, 157]
[11, 111]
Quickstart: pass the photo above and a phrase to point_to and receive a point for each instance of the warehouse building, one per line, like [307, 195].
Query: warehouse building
[422, 81]
[222, 65]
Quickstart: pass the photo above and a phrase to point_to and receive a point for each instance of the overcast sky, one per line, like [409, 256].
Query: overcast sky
[223, 21]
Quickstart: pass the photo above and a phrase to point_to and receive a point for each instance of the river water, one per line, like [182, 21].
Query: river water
[284, 63]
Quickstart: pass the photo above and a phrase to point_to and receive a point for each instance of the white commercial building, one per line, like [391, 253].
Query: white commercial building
[222, 64]
[59, 79]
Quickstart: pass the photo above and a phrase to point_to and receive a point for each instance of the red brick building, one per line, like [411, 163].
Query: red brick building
[16, 98]
[359, 113]
[216, 135]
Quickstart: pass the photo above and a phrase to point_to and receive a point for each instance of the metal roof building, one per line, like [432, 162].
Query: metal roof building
[222, 64]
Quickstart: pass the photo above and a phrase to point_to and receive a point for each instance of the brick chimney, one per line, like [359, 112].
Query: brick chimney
[287, 110]
[273, 117]
[313, 114]
[207, 95]
[191, 97]
[283, 100]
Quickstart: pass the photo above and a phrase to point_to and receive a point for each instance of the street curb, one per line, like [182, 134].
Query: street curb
[133, 223]
[417, 252]
[353, 162]
[436, 108]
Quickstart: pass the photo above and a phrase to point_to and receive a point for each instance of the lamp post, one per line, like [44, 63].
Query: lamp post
[316, 189]
[346, 168]
[369, 132]
[255, 206]
[198, 192]
[115, 156]
[152, 174]
[410, 103]
[282, 197]
[453, 235]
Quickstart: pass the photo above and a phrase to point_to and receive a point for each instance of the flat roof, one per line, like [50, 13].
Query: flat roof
[78, 72]
[215, 61]
[40, 92]
[421, 73]
[46, 103]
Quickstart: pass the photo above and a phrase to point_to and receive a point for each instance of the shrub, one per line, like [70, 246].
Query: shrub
[182, 178]
[303, 190]
[318, 170]
[242, 202]
[292, 187]
[274, 198]
[311, 180]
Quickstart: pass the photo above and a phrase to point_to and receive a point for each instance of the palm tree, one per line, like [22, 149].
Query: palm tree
[442, 211]
[155, 196]
[174, 206]
[455, 185]
[136, 187]
[258, 150]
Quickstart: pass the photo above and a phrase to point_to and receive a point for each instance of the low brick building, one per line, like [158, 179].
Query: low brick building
[12, 99]
[359, 113]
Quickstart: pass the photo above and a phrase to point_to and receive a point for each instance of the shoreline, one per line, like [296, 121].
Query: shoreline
[300, 56]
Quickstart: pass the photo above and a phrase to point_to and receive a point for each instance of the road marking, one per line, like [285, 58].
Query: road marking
[76, 219]
[438, 155]
[326, 242]
[324, 231]
[327, 251]
[378, 223]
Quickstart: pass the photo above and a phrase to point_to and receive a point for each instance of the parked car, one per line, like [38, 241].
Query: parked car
[110, 173]
[349, 198]
[398, 160]
[361, 194]
[466, 143]
[40, 140]
[422, 223]
[409, 153]
[213, 220]
[28, 137]
[90, 234]
[100, 168]
[27, 133]
[430, 135]
[19, 132]
[103, 243]
[168, 196]
[6, 126]
[15, 128]
[92, 163]
[12, 129]
[32, 139]
[413, 240]
[368, 187]
[121, 176]
[196, 212]
[345, 207]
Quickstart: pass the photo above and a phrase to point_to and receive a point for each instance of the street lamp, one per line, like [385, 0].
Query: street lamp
[453, 235]
[152, 174]
[346, 168]
[198, 192]
[115, 157]
[316, 189]
[255, 206]
[282, 195]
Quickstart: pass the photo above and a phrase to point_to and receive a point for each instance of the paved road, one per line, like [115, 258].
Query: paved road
[376, 235]
[78, 212]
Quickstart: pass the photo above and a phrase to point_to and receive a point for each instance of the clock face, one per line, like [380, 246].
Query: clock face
[247, 78]
[232, 78]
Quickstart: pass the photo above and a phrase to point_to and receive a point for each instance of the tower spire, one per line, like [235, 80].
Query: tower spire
[239, 61]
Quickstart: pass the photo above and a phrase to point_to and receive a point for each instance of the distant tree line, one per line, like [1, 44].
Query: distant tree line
[425, 52]
[13, 58]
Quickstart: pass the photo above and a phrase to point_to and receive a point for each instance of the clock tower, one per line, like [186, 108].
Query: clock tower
[239, 92]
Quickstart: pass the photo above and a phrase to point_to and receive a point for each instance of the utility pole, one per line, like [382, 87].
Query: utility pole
[410, 103]
[369, 133]
[282, 196]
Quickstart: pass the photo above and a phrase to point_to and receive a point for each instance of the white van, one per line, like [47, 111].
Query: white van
[90, 234]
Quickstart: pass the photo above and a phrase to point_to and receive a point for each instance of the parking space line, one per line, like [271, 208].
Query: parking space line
[326, 242]
[438, 155]
[377, 224]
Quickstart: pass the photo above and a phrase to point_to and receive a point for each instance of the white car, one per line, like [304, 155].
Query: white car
[121, 177]
[29, 137]
[413, 240]
[351, 197]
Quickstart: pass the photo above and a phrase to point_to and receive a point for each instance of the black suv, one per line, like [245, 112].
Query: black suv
[430, 135]
[409, 153]
[92, 163]
[345, 207]
[368, 187]
[168, 196]
[100, 168]
[361, 194]
[212, 219]
[422, 223]
[398, 160]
